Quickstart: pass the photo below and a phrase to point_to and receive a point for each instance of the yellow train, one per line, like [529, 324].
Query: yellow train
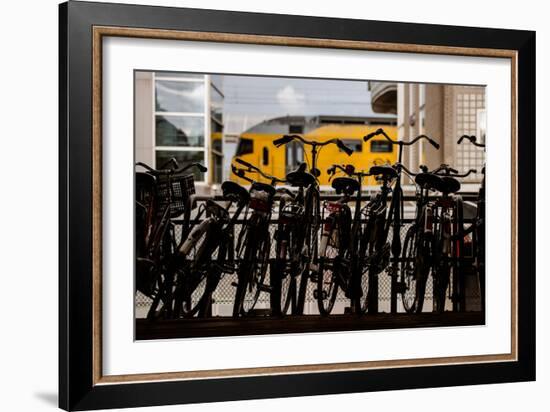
[256, 144]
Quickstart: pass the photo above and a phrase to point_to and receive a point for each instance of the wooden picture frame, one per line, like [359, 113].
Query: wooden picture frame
[82, 27]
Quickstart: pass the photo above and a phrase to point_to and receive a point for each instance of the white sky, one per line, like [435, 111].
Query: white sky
[251, 99]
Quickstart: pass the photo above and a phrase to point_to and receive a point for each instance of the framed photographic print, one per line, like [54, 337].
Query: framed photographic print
[257, 205]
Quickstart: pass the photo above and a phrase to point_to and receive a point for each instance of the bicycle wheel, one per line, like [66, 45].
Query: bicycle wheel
[362, 300]
[193, 276]
[442, 268]
[282, 279]
[362, 266]
[408, 270]
[258, 272]
[308, 242]
[414, 287]
[457, 267]
[252, 272]
[327, 286]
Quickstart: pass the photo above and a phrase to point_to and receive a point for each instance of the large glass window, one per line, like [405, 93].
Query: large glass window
[217, 159]
[180, 119]
[245, 146]
[470, 120]
[174, 130]
[354, 144]
[216, 104]
[179, 75]
[179, 96]
[380, 146]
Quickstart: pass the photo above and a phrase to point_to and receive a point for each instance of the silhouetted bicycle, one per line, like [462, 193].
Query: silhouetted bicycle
[342, 260]
[477, 228]
[255, 247]
[395, 213]
[302, 239]
[161, 195]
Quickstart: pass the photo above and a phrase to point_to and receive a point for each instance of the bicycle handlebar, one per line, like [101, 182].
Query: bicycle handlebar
[172, 162]
[284, 140]
[174, 171]
[252, 168]
[240, 173]
[347, 169]
[449, 171]
[381, 132]
[446, 169]
[246, 164]
[343, 147]
[472, 139]
[468, 173]
[287, 138]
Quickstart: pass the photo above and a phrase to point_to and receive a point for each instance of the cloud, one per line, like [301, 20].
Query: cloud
[290, 99]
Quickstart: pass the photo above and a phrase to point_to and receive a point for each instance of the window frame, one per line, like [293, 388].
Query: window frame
[205, 115]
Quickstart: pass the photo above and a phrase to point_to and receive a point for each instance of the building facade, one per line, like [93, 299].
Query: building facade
[180, 115]
[443, 112]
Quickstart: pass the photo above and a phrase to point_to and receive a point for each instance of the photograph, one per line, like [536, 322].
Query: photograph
[262, 205]
[272, 204]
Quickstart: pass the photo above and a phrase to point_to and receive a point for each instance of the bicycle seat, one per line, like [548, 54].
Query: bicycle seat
[386, 171]
[430, 180]
[264, 187]
[450, 184]
[234, 190]
[345, 185]
[298, 178]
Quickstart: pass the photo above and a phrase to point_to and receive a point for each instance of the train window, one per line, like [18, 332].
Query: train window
[354, 144]
[246, 146]
[295, 129]
[381, 146]
[265, 156]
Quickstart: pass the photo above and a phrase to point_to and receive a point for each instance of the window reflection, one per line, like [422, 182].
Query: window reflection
[179, 131]
[216, 104]
[175, 96]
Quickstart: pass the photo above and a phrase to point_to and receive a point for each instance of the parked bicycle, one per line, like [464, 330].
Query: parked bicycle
[340, 244]
[255, 245]
[208, 252]
[395, 213]
[342, 263]
[298, 243]
[434, 243]
[161, 195]
[477, 228]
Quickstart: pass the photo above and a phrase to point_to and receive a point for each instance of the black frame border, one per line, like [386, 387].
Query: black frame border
[76, 387]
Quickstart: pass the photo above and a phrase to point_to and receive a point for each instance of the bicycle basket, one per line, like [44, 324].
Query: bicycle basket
[175, 191]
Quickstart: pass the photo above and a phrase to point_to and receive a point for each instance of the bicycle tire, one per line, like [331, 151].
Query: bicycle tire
[258, 274]
[282, 279]
[413, 271]
[362, 270]
[193, 279]
[253, 270]
[310, 241]
[326, 276]
[441, 271]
